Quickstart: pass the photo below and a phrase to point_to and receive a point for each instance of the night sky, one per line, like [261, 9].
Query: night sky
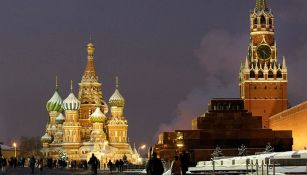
[171, 57]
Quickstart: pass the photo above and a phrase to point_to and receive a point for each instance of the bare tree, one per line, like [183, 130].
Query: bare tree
[30, 146]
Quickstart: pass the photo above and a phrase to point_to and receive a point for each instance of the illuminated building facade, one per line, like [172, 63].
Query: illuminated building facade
[87, 127]
[266, 95]
[263, 81]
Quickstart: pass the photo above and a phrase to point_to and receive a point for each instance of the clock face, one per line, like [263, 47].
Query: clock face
[264, 52]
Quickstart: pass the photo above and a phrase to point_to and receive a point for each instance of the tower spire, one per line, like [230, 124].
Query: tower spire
[90, 39]
[90, 49]
[90, 71]
[246, 64]
[56, 83]
[116, 82]
[261, 5]
[71, 86]
[284, 66]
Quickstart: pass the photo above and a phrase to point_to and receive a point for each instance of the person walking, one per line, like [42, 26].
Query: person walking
[117, 165]
[110, 165]
[185, 162]
[94, 164]
[32, 164]
[176, 166]
[40, 165]
[4, 164]
[121, 165]
[154, 165]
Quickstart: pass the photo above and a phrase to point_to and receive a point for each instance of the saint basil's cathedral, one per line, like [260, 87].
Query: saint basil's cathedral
[79, 126]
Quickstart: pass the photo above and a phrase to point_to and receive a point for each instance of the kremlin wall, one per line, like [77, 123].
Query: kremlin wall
[260, 116]
[293, 119]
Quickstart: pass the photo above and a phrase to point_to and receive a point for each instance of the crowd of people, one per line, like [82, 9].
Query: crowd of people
[14, 162]
[154, 166]
[117, 166]
[95, 164]
[179, 165]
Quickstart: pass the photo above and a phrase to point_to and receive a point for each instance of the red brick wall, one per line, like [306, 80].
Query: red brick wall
[265, 99]
[294, 119]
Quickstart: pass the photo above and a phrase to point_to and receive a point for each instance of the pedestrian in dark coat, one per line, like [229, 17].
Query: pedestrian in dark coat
[121, 165]
[94, 163]
[185, 161]
[154, 165]
[110, 165]
[40, 164]
[176, 166]
[32, 164]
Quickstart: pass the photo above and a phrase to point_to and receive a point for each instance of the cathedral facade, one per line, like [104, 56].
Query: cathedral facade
[81, 126]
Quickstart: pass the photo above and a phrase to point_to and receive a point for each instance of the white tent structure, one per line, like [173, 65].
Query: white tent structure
[268, 163]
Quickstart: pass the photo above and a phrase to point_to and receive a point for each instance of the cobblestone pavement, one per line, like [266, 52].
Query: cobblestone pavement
[27, 171]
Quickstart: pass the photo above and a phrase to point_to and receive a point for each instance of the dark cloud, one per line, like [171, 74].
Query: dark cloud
[219, 54]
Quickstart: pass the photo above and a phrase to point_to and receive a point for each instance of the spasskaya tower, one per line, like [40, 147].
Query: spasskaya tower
[263, 80]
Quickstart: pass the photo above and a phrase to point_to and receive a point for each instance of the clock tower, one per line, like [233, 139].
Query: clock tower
[263, 80]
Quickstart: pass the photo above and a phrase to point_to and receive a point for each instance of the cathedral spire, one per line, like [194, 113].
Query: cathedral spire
[56, 83]
[71, 86]
[261, 5]
[90, 93]
[90, 39]
[90, 71]
[116, 82]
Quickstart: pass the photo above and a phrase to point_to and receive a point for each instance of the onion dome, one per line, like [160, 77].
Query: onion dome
[71, 102]
[55, 102]
[46, 138]
[117, 99]
[97, 116]
[60, 119]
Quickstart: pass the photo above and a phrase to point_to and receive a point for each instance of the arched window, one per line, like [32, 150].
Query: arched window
[262, 20]
[279, 75]
[270, 75]
[260, 74]
[270, 22]
[252, 74]
[255, 21]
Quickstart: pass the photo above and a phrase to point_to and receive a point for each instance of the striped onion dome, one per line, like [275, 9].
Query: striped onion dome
[55, 103]
[97, 116]
[60, 119]
[71, 103]
[117, 99]
[46, 138]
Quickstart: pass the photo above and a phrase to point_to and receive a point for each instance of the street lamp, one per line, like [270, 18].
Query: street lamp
[15, 145]
[142, 147]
